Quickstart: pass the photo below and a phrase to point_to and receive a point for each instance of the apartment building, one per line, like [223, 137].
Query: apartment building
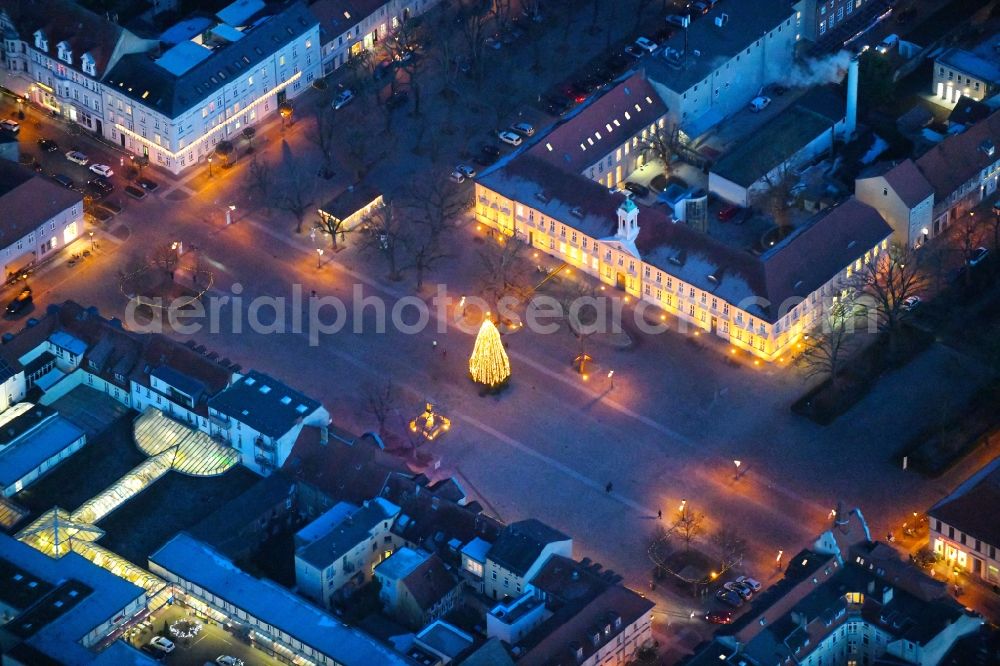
[972, 73]
[348, 27]
[833, 21]
[519, 552]
[901, 195]
[963, 532]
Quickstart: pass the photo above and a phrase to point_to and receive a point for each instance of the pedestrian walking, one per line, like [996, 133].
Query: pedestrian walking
[659, 514]
[608, 487]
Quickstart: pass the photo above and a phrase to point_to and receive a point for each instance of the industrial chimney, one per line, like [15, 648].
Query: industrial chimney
[851, 121]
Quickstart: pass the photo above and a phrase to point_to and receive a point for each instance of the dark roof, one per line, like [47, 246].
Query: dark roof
[963, 507]
[585, 139]
[264, 404]
[64, 20]
[36, 199]
[782, 137]
[520, 544]
[430, 582]
[351, 200]
[968, 111]
[904, 178]
[959, 157]
[490, 653]
[748, 22]
[347, 534]
[139, 77]
[346, 468]
[21, 424]
[222, 528]
[338, 16]
[179, 381]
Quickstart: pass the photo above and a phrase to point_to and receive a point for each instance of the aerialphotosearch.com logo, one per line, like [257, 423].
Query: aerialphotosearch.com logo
[317, 316]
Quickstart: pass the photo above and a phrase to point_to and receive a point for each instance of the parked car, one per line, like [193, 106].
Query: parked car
[102, 170]
[509, 137]
[20, 303]
[637, 189]
[490, 149]
[65, 181]
[728, 212]
[524, 129]
[488, 154]
[750, 582]
[77, 157]
[759, 103]
[456, 177]
[226, 660]
[382, 70]
[154, 653]
[634, 51]
[910, 303]
[978, 255]
[100, 187]
[343, 99]
[739, 588]
[48, 145]
[10, 126]
[466, 170]
[617, 64]
[720, 617]
[556, 106]
[729, 597]
[147, 184]
[161, 643]
[678, 20]
[888, 44]
[493, 43]
[397, 99]
[646, 45]
[135, 192]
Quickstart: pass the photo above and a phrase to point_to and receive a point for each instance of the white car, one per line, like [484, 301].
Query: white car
[10, 126]
[978, 255]
[456, 177]
[78, 157]
[509, 137]
[647, 45]
[749, 582]
[524, 129]
[226, 660]
[102, 170]
[466, 170]
[343, 99]
[759, 103]
[910, 303]
[162, 644]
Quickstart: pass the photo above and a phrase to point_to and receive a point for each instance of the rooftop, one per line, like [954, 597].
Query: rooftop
[181, 79]
[196, 562]
[401, 563]
[37, 435]
[520, 544]
[904, 178]
[982, 63]
[710, 46]
[782, 137]
[351, 200]
[963, 507]
[445, 639]
[429, 582]
[76, 597]
[952, 162]
[35, 199]
[354, 529]
[338, 16]
[263, 403]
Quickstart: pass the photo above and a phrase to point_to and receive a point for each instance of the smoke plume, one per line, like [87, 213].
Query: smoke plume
[817, 71]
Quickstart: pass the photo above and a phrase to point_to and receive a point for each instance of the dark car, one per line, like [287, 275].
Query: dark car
[397, 99]
[158, 655]
[617, 64]
[101, 187]
[63, 180]
[729, 597]
[720, 617]
[488, 154]
[48, 145]
[662, 35]
[633, 51]
[638, 190]
[135, 192]
[20, 302]
[729, 212]
[556, 106]
[147, 184]
[490, 149]
[382, 70]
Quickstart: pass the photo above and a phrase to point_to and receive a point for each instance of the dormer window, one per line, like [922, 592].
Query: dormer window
[88, 64]
[41, 43]
[65, 52]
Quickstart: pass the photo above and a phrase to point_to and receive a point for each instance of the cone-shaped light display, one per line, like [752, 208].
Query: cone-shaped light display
[488, 364]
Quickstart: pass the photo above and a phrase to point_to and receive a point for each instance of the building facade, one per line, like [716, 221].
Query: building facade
[349, 27]
[520, 551]
[820, 18]
[901, 195]
[974, 74]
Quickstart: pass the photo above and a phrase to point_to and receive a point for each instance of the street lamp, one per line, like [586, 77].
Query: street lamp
[737, 463]
[611, 377]
[209, 166]
[229, 214]
[683, 506]
[91, 240]
[319, 257]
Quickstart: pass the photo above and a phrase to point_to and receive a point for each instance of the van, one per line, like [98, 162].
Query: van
[888, 44]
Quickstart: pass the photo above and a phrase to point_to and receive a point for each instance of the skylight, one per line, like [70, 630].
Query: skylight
[598, 135]
[648, 99]
[265, 389]
[627, 117]
[285, 400]
[549, 146]
[608, 127]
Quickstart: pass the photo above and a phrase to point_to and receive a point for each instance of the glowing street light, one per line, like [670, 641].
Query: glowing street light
[209, 166]
[229, 214]
[319, 257]
[611, 377]
[737, 463]
[683, 506]
[91, 240]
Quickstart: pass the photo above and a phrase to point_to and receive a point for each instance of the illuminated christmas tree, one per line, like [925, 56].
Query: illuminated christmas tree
[488, 364]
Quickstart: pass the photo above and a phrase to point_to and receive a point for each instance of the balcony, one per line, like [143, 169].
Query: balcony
[265, 462]
[264, 444]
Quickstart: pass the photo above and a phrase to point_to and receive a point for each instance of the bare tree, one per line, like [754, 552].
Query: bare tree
[333, 227]
[731, 545]
[774, 199]
[503, 270]
[164, 256]
[889, 280]
[383, 232]
[324, 135]
[249, 133]
[834, 342]
[380, 401]
[688, 525]
[582, 310]
[994, 219]
[474, 31]
[658, 145]
[295, 190]
[258, 182]
[970, 236]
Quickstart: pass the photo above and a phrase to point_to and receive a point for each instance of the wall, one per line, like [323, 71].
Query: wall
[965, 552]
[53, 234]
[907, 224]
[948, 83]
[386, 20]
